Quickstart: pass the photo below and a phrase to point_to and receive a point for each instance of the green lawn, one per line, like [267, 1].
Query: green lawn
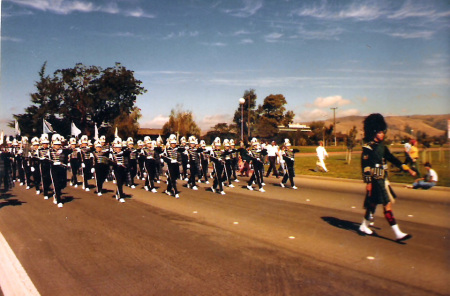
[338, 167]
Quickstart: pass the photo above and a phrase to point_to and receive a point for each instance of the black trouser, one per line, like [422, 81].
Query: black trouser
[74, 166]
[36, 174]
[120, 173]
[86, 172]
[234, 167]
[174, 173]
[184, 164]
[132, 166]
[141, 162]
[272, 166]
[289, 174]
[257, 174]
[228, 170]
[150, 168]
[204, 169]
[193, 170]
[27, 171]
[101, 172]
[46, 176]
[59, 180]
[21, 171]
[218, 172]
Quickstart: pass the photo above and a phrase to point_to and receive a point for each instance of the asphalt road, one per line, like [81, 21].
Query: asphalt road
[281, 242]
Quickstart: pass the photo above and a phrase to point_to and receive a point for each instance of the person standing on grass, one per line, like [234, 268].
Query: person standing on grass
[375, 156]
[321, 154]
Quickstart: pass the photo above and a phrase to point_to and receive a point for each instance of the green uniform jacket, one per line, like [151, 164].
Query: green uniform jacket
[374, 168]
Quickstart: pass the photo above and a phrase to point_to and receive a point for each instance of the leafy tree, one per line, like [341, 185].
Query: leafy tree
[271, 114]
[181, 123]
[85, 95]
[249, 113]
[350, 141]
[223, 131]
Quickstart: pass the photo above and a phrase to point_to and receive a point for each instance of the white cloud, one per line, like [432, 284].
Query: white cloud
[246, 41]
[139, 13]
[312, 115]
[156, 122]
[250, 8]
[421, 34]
[273, 37]
[211, 120]
[357, 11]
[70, 6]
[12, 39]
[349, 112]
[331, 101]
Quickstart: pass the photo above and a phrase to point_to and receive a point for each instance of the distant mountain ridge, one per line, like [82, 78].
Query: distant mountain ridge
[401, 126]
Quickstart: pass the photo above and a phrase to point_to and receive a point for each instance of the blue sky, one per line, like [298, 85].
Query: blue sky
[390, 57]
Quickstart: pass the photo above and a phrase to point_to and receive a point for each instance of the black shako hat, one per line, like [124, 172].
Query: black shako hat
[373, 124]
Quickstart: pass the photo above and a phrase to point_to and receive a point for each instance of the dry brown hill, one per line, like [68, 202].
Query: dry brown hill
[432, 125]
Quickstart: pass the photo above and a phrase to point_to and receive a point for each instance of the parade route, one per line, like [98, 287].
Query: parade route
[281, 242]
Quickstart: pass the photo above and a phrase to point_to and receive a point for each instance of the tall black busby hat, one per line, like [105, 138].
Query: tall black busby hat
[373, 124]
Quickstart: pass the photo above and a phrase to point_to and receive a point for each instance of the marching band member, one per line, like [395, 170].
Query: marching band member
[45, 165]
[58, 169]
[204, 162]
[33, 164]
[183, 148]
[75, 160]
[172, 156]
[194, 163]
[218, 165]
[234, 160]
[132, 161]
[141, 159]
[120, 173]
[227, 156]
[101, 160]
[256, 155]
[150, 162]
[287, 163]
[86, 165]
[158, 151]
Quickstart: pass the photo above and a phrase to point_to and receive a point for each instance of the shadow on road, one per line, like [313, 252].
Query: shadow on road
[354, 227]
[8, 201]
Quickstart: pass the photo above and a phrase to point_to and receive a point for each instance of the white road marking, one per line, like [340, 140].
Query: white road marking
[14, 279]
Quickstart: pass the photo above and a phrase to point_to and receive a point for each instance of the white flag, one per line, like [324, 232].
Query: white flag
[47, 127]
[96, 132]
[74, 130]
[16, 127]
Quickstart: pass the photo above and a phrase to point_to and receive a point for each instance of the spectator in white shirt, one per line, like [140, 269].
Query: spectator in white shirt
[272, 154]
[321, 154]
[430, 179]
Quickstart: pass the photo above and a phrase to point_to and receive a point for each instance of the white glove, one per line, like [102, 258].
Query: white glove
[83, 165]
[93, 170]
[68, 164]
[32, 169]
[162, 160]
[188, 166]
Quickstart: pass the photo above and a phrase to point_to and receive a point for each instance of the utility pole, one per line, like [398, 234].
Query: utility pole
[334, 124]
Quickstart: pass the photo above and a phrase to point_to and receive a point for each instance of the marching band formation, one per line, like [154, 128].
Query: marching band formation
[44, 164]
[44, 167]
